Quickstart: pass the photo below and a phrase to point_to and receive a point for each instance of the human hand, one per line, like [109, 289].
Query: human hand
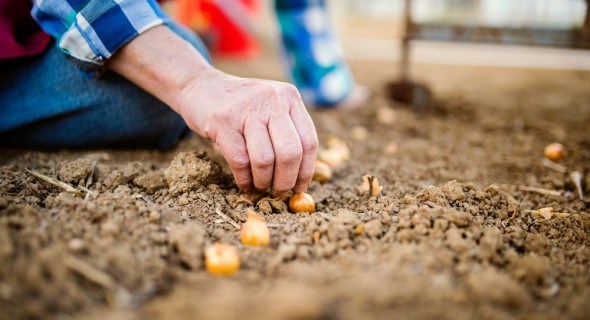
[261, 127]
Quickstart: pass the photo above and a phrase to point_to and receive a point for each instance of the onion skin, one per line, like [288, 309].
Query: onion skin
[301, 202]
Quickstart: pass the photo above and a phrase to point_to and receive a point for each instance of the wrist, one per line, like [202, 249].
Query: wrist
[194, 100]
[162, 63]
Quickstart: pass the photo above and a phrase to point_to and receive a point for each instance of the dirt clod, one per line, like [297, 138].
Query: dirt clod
[188, 241]
[152, 181]
[189, 170]
[75, 171]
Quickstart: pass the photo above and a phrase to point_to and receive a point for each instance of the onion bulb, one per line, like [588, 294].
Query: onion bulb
[555, 151]
[323, 172]
[301, 202]
[222, 259]
[254, 231]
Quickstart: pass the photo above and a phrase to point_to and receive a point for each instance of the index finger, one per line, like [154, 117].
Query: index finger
[309, 142]
[233, 148]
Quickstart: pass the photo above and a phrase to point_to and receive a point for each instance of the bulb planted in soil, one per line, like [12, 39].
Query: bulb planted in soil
[555, 151]
[323, 172]
[359, 133]
[332, 157]
[370, 186]
[301, 202]
[222, 260]
[338, 144]
[254, 231]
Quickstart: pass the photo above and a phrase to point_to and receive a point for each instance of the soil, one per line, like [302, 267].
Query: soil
[452, 236]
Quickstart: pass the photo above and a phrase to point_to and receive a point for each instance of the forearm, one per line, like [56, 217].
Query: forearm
[162, 63]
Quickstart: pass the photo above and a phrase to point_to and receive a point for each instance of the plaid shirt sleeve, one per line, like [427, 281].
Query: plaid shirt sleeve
[90, 31]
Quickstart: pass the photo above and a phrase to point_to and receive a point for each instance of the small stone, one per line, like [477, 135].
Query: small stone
[188, 241]
[373, 228]
[110, 228]
[154, 216]
[287, 251]
[76, 244]
[460, 219]
[75, 171]
[183, 201]
[152, 181]
[489, 243]
[191, 170]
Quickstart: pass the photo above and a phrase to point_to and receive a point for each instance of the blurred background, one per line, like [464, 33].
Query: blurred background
[373, 29]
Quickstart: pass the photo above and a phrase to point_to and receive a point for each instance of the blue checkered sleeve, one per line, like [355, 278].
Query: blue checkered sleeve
[90, 31]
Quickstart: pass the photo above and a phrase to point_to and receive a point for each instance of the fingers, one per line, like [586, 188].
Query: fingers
[233, 148]
[309, 144]
[261, 153]
[288, 151]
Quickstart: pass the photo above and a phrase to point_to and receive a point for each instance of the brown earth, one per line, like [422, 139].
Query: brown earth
[451, 237]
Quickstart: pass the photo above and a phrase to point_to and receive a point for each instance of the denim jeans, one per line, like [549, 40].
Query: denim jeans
[311, 52]
[45, 101]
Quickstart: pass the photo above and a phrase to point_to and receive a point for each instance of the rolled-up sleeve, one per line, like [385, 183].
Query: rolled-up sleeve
[90, 31]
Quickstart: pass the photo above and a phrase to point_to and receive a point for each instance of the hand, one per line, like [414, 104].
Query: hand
[261, 127]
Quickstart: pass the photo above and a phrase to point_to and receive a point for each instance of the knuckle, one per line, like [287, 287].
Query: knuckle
[267, 90]
[290, 155]
[264, 161]
[310, 143]
[239, 162]
[288, 87]
[291, 91]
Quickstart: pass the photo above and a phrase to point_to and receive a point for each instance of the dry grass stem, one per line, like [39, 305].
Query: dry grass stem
[89, 272]
[89, 180]
[275, 225]
[576, 177]
[546, 192]
[88, 191]
[144, 198]
[227, 218]
[554, 166]
[60, 184]
[548, 213]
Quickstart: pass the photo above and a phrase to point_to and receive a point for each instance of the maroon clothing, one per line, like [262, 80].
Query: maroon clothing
[20, 36]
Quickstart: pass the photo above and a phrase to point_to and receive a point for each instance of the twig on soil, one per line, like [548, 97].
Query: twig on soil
[547, 192]
[89, 272]
[88, 191]
[430, 204]
[227, 218]
[548, 213]
[66, 187]
[512, 217]
[144, 198]
[275, 225]
[89, 180]
[576, 177]
[325, 216]
[554, 166]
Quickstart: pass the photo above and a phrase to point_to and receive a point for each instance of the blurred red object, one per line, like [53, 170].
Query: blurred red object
[224, 25]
